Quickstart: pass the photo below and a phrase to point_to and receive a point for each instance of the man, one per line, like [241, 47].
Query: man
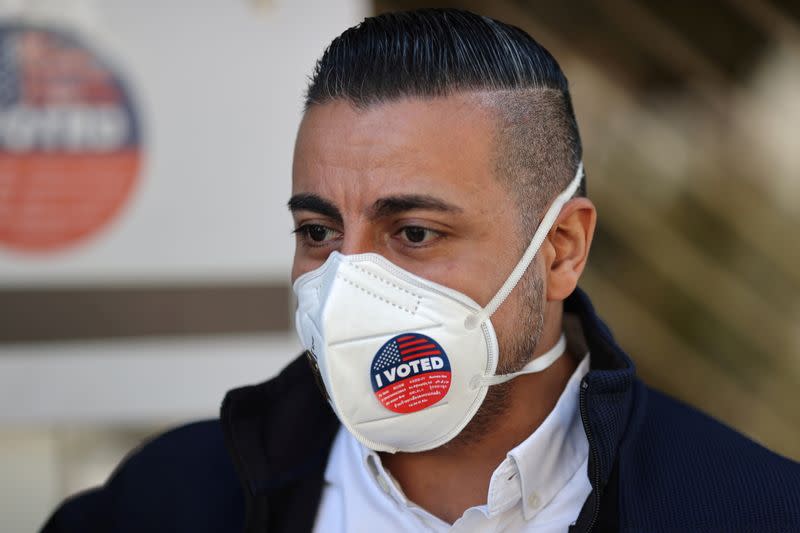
[466, 383]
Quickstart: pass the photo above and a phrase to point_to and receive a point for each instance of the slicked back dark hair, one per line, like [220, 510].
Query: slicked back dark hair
[431, 53]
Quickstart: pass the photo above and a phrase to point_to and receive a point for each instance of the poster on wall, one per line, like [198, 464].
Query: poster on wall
[145, 166]
[70, 140]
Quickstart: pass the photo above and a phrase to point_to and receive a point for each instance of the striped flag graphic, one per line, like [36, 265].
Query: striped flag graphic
[413, 346]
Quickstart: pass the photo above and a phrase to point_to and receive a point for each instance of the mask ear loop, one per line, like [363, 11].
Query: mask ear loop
[538, 364]
[476, 319]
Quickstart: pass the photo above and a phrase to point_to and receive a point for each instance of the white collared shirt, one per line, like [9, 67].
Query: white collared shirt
[539, 487]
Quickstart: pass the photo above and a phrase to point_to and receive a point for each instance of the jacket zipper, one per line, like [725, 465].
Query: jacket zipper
[595, 480]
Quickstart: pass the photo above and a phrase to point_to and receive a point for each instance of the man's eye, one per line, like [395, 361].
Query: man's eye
[316, 233]
[417, 235]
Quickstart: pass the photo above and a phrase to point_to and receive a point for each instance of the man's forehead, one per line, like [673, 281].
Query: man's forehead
[408, 143]
[399, 120]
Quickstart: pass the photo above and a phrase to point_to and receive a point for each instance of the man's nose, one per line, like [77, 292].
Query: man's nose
[359, 239]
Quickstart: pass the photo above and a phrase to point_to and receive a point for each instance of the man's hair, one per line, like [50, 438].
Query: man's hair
[431, 53]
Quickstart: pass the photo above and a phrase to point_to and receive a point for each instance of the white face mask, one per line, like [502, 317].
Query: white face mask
[406, 362]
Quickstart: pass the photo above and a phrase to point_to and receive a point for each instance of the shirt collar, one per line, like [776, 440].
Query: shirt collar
[541, 465]
[382, 477]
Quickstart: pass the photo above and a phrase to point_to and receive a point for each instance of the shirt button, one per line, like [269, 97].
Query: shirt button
[534, 501]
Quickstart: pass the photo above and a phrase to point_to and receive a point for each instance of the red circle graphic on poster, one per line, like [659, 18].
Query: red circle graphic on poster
[69, 140]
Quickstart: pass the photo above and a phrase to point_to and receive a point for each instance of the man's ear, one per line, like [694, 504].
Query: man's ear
[568, 245]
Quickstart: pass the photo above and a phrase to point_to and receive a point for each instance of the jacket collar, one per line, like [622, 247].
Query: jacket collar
[279, 434]
[278, 431]
[608, 387]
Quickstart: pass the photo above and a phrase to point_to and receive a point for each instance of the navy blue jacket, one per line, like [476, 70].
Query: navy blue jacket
[655, 465]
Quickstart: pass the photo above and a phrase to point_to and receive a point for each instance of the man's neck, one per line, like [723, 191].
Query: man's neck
[462, 470]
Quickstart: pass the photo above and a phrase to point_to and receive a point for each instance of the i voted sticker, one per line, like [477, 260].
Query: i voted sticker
[410, 372]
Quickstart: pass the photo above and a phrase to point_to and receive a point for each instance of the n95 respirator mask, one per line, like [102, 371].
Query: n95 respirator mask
[406, 362]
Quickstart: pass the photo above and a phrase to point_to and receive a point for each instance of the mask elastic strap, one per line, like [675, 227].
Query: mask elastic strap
[537, 365]
[474, 320]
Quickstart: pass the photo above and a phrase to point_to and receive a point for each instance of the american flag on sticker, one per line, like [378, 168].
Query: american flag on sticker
[410, 372]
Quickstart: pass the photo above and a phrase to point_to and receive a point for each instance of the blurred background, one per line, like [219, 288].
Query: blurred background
[145, 156]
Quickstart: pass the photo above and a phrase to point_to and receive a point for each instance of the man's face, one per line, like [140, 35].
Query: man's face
[411, 180]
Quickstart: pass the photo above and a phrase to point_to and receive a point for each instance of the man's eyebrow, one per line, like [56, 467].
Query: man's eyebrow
[315, 204]
[392, 205]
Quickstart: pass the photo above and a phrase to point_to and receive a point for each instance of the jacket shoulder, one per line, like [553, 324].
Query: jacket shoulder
[686, 471]
[182, 480]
